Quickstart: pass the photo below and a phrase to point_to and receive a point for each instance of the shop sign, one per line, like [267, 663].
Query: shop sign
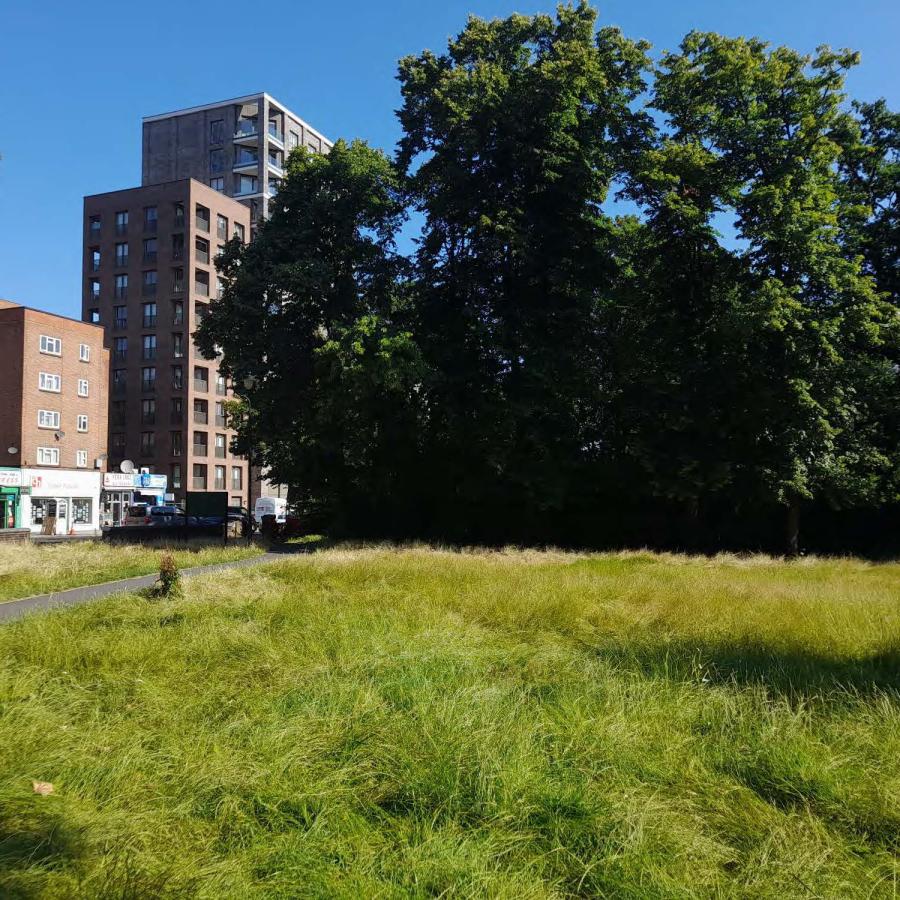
[11, 477]
[49, 483]
[118, 480]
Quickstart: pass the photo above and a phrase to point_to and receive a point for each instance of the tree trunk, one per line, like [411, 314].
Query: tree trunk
[793, 529]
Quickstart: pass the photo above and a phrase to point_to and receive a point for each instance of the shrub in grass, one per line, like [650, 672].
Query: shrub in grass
[168, 585]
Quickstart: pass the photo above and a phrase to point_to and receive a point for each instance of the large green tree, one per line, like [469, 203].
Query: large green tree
[511, 139]
[311, 327]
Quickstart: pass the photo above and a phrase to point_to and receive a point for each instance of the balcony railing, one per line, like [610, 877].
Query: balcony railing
[121, 261]
[150, 256]
[220, 484]
[148, 353]
[220, 453]
[246, 128]
[200, 450]
[121, 228]
[119, 388]
[202, 223]
[149, 288]
[200, 385]
[201, 255]
[120, 325]
[275, 133]
[201, 418]
[276, 165]
[178, 287]
[149, 321]
[221, 421]
[177, 384]
[202, 288]
[148, 386]
[221, 390]
[244, 191]
[198, 483]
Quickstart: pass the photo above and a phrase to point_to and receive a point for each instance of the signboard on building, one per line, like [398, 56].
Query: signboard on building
[50, 483]
[125, 481]
[10, 477]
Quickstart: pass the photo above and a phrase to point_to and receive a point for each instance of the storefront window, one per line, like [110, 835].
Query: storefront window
[42, 509]
[81, 511]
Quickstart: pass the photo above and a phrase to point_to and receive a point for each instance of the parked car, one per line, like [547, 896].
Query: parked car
[145, 514]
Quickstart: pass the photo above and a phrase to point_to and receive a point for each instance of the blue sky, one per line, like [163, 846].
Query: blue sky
[76, 80]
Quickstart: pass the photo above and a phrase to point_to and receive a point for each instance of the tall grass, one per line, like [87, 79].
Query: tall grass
[421, 723]
[29, 569]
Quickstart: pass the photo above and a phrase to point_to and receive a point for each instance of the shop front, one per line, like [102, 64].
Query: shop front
[10, 503]
[124, 489]
[60, 502]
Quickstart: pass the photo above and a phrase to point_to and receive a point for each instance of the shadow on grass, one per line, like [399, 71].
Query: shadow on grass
[34, 837]
[790, 672]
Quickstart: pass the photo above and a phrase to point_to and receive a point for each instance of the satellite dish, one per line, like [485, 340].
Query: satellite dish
[12, 450]
[127, 466]
[59, 435]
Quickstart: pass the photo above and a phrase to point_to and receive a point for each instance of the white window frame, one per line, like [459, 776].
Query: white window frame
[82, 419]
[47, 378]
[81, 459]
[84, 387]
[48, 342]
[48, 456]
[84, 352]
[48, 418]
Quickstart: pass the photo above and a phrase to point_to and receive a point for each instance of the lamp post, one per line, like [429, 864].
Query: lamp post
[249, 384]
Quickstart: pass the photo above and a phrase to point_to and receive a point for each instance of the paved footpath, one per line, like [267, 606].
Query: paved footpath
[14, 609]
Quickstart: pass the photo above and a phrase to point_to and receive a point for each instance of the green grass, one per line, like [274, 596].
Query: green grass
[380, 723]
[28, 569]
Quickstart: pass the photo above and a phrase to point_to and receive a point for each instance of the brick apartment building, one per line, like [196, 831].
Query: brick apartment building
[53, 420]
[149, 274]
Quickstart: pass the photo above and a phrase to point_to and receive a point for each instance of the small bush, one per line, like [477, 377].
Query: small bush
[168, 586]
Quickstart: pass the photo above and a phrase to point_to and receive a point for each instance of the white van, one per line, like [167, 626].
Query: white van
[270, 506]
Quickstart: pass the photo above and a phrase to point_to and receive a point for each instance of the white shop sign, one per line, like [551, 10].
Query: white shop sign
[121, 481]
[10, 477]
[61, 483]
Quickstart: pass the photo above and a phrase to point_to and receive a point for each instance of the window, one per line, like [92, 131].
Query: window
[48, 418]
[122, 222]
[148, 315]
[217, 184]
[148, 379]
[120, 347]
[94, 316]
[148, 346]
[201, 310]
[176, 475]
[293, 140]
[220, 414]
[201, 412]
[150, 250]
[177, 345]
[94, 288]
[82, 422]
[121, 289]
[178, 215]
[201, 378]
[121, 322]
[199, 479]
[177, 444]
[119, 381]
[178, 246]
[220, 478]
[94, 227]
[221, 446]
[118, 444]
[201, 250]
[48, 456]
[221, 387]
[148, 286]
[51, 345]
[217, 160]
[200, 446]
[150, 219]
[95, 259]
[84, 353]
[177, 377]
[177, 312]
[220, 288]
[201, 282]
[118, 412]
[239, 231]
[245, 184]
[236, 478]
[222, 227]
[49, 382]
[148, 443]
[176, 410]
[217, 131]
[201, 217]
[121, 255]
[81, 511]
[148, 412]
[177, 281]
[83, 387]
[81, 459]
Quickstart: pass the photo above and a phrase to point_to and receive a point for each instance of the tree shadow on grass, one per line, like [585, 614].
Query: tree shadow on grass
[36, 837]
[793, 673]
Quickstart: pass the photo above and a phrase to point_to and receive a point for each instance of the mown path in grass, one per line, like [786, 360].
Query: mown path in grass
[29, 569]
[412, 723]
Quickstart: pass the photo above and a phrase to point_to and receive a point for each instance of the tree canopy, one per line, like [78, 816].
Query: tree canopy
[642, 291]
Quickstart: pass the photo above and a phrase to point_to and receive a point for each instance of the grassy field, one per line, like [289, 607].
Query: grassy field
[28, 569]
[372, 722]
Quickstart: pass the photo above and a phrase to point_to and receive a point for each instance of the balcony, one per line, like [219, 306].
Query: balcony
[221, 421]
[122, 261]
[201, 385]
[202, 256]
[246, 128]
[119, 388]
[149, 322]
[243, 191]
[273, 188]
[275, 134]
[275, 166]
[202, 288]
[200, 450]
[150, 256]
[149, 289]
[201, 418]
[120, 325]
[148, 353]
[199, 484]
[121, 229]
[148, 386]
[220, 484]
[220, 453]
